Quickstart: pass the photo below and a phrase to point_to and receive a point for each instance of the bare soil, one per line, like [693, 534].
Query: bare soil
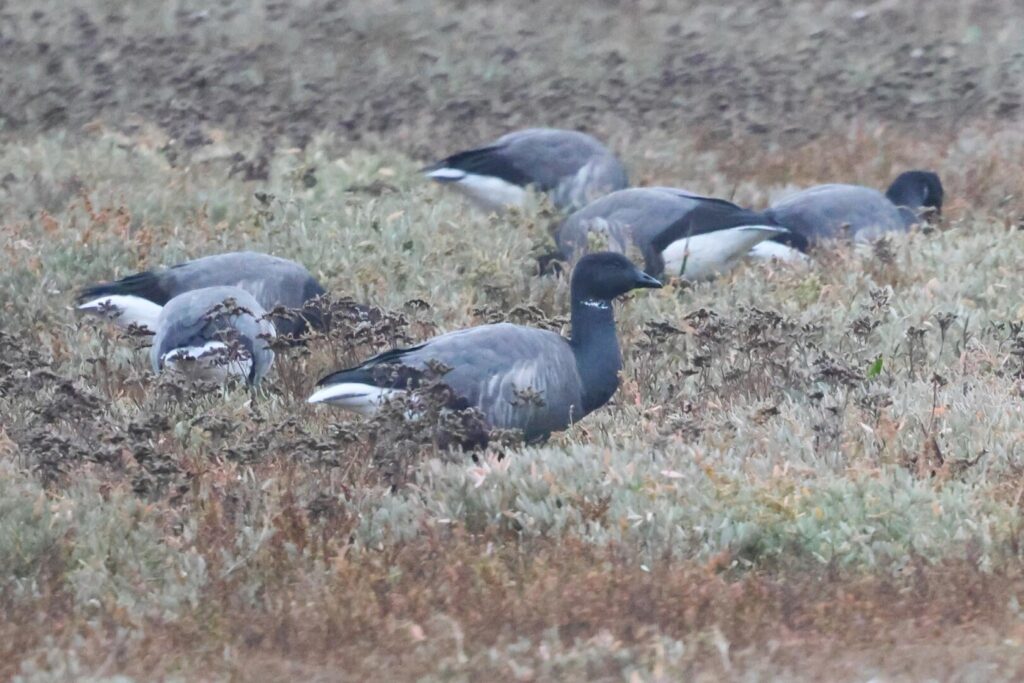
[281, 71]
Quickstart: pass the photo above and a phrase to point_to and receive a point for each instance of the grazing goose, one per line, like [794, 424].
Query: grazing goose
[572, 168]
[213, 333]
[492, 367]
[272, 281]
[675, 231]
[832, 211]
[713, 238]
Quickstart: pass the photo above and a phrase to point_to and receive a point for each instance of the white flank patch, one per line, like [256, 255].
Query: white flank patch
[773, 251]
[490, 193]
[704, 256]
[446, 175]
[125, 310]
[207, 361]
[364, 399]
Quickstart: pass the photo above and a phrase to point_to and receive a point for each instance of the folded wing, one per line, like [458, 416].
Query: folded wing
[518, 377]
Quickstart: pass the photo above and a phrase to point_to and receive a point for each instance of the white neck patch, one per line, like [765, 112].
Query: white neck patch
[596, 303]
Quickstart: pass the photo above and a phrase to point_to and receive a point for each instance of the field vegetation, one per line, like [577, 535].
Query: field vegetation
[808, 473]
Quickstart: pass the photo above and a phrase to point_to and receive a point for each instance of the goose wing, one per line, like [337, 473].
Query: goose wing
[635, 216]
[272, 281]
[518, 377]
[573, 167]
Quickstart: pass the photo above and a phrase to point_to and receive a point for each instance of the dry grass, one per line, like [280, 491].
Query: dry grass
[762, 501]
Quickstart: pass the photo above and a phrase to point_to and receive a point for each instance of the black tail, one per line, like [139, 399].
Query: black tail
[358, 375]
[383, 370]
[487, 161]
[145, 285]
[708, 216]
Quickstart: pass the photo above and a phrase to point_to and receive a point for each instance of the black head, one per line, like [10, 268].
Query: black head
[917, 190]
[606, 275]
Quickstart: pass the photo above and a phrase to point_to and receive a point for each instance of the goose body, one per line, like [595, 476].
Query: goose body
[213, 333]
[676, 232]
[518, 377]
[861, 213]
[272, 281]
[570, 167]
[489, 364]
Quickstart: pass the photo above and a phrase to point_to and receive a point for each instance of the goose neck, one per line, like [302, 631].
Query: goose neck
[596, 348]
[592, 319]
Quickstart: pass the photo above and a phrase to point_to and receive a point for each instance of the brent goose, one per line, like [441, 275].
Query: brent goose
[214, 333]
[492, 367]
[676, 232]
[833, 211]
[571, 167]
[272, 281]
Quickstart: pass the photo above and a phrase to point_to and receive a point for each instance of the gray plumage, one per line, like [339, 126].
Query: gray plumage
[490, 363]
[629, 217]
[675, 231]
[835, 211]
[271, 280]
[572, 168]
[862, 213]
[223, 325]
[518, 377]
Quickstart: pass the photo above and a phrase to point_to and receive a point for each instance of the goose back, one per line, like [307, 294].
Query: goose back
[519, 377]
[836, 211]
[571, 167]
[630, 217]
[271, 280]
